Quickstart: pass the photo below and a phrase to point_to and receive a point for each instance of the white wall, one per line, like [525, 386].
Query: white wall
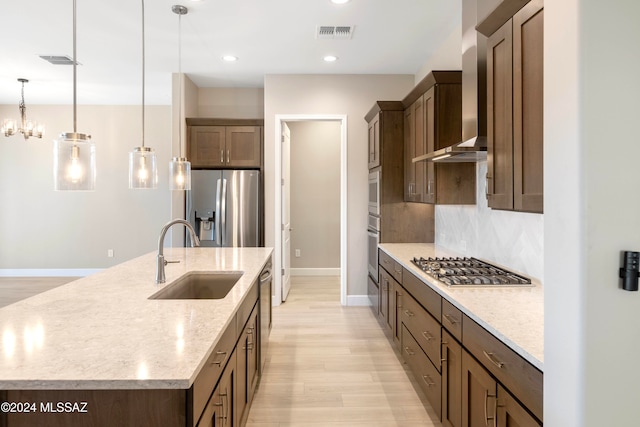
[512, 239]
[448, 56]
[315, 194]
[592, 334]
[44, 229]
[354, 96]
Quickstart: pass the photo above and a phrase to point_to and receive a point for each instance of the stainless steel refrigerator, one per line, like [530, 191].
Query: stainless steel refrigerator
[224, 207]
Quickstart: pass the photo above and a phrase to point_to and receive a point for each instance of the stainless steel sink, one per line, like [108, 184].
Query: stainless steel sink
[200, 285]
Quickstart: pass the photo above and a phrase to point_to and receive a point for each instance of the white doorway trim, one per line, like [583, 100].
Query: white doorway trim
[280, 118]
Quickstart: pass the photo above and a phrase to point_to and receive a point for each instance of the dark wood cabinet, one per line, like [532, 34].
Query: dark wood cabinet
[222, 143]
[247, 366]
[479, 394]
[470, 377]
[515, 111]
[374, 142]
[433, 120]
[220, 409]
[451, 381]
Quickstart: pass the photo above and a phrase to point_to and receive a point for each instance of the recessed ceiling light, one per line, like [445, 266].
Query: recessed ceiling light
[339, 1]
[330, 58]
[230, 58]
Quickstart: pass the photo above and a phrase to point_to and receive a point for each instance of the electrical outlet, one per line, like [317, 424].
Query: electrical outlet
[297, 253]
[110, 253]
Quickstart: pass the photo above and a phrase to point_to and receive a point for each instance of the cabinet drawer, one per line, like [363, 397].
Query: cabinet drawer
[452, 319]
[392, 266]
[204, 384]
[427, 297]
[424, 328]
[426, 375]
[521, 378]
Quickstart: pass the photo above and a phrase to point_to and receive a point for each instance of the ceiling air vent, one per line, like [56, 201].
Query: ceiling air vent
[58, 59]
[334, 32]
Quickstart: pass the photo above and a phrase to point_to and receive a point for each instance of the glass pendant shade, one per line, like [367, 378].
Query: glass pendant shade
[143, 169]
[74, 163]
[179, 174]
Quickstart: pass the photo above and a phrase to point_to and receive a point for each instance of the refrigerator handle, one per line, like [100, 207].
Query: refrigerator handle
[218, 225]
[223, 201]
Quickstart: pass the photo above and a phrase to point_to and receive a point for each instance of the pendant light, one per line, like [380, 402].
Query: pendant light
[179, 168]
[143, 170]
[74, 154]
[27, 127]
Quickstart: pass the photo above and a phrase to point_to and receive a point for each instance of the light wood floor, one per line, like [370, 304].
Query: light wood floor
[14, 289]
[330, 365]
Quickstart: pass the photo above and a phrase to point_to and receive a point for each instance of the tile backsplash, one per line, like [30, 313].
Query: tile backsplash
[512, 239]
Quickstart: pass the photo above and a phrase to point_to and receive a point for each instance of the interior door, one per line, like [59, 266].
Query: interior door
[286, 211]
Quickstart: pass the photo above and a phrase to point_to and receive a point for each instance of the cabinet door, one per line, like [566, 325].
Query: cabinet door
[500, 119]
[409, 152]
[243, 146]
[384, 295]
[374, 142]
[451, 381]
[420, 149]
[206, 146]
[395, 311]
[511, 413]
[478, 394]
[220, 410]
[528, 107]
[247, 365]
[429, 111]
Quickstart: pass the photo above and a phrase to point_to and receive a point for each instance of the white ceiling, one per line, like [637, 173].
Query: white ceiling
[268, 37]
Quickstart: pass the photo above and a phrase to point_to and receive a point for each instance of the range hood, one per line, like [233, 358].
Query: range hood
[472, 150]
[473, 145]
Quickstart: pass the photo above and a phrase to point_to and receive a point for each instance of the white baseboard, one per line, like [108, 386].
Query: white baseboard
[358, 300]
[315, 271]
[48, 272]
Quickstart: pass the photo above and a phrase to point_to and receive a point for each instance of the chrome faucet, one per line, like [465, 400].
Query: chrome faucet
[160, 261]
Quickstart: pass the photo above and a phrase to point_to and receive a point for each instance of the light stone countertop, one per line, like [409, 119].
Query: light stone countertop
[102, 331]
[513, 315]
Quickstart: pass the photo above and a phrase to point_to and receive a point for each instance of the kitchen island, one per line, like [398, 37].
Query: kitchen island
[100, 340]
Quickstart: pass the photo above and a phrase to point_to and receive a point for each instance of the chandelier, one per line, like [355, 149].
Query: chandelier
[27, 128]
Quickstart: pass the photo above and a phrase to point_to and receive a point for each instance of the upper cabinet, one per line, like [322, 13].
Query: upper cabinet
[433, 120]
[221, 143]
[515, 107]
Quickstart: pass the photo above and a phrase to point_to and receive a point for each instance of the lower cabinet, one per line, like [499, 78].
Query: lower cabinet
[486, 402]
[479, 398]
[511, 413]
[247, 359]
[451, 381]
[469, 377]
[426, 374]
[221, 407]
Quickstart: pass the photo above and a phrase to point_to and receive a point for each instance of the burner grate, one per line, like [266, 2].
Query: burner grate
[469, 272]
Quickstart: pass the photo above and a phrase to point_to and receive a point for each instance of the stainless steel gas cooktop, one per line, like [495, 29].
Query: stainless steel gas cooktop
[469, 272]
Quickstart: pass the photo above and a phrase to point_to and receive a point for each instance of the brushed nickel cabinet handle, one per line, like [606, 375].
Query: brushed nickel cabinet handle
[221, 156]
[219, 362]
[492, 358]
[228, 155]
[450, 319]
[409, 351]
[486, 401]
[486, 186]
[427, 335]
[427, 379]
[408, 313]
